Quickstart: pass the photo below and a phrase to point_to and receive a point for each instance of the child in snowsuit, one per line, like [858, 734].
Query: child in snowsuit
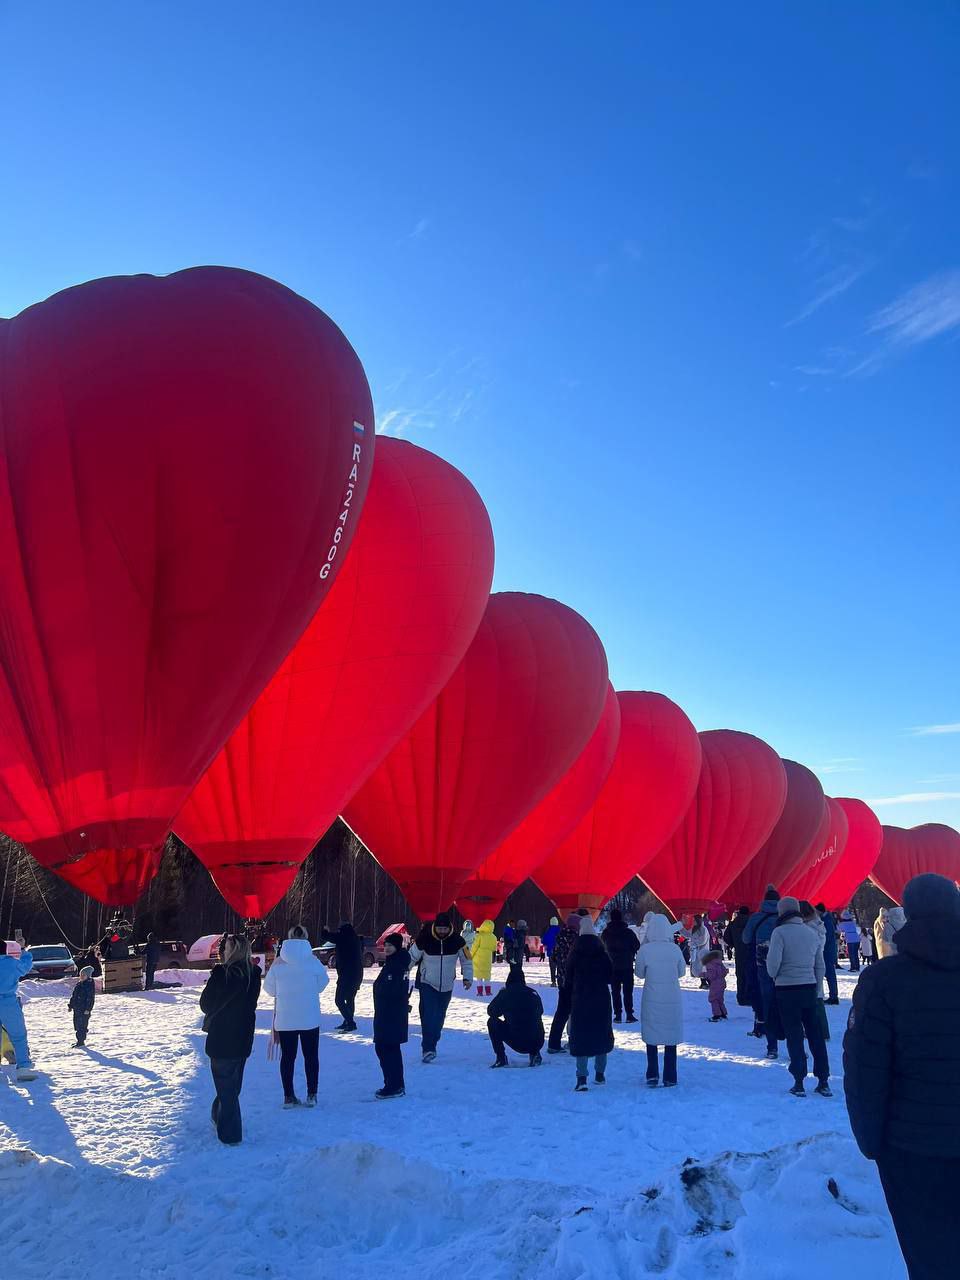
[482, 952]
[82, 999]
[715, 972]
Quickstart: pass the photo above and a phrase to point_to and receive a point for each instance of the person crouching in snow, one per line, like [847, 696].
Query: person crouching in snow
[82, 999]
[715, 972]
[516, 1020]
[589, 977]
[12, 969]
[391, 1015]
[482, 951]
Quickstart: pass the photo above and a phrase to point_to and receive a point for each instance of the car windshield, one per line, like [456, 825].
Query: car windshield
[50, 953]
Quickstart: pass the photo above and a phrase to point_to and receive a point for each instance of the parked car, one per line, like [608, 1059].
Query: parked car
[173, 955]
[326, 953]
[379, 947]
[53, 960]
[205, 952]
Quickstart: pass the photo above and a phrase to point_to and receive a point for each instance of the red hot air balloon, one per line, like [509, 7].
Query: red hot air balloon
[516, 714]
[397, 622]
[553, 819]
[739, 797]
[647, 792]
[864, 838]
[788, 842]
[823, 859]
[182, 465]
[909, 852]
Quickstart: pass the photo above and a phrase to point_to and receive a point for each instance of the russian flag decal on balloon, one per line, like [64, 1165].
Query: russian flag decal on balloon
[358, 428]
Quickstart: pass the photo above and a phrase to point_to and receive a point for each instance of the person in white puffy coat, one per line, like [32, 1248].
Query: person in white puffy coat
[295, 980]
[660, 966]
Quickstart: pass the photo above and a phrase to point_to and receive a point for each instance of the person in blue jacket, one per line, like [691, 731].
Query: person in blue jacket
[549, 942]
[830, 952]
[851, 934]
[12, 969]
[757, 937]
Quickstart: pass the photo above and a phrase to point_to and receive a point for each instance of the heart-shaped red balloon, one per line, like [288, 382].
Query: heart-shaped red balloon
[864, 838]
[646, 793]
[909, 852]
[399, 619]
[554, 818]
[182, 465]
[739, 797]
[823, 858]
[515, 715]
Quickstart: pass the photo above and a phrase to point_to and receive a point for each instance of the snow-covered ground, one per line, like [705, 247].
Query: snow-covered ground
[109, 1163]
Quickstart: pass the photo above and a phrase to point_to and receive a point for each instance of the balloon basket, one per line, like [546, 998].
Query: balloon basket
[122, 975]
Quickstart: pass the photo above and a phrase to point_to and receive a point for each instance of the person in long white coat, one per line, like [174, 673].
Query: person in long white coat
[660, 966]
[700, 944]
[295, 980]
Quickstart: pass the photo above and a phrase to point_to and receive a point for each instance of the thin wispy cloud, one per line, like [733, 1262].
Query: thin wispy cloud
[447, 395]
[933, 730]
[421, 227]
[940, 779]
[830, 285]
[915, 797]
[923, 312]
[842, 764]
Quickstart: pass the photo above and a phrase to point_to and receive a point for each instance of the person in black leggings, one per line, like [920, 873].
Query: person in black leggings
[295, 980]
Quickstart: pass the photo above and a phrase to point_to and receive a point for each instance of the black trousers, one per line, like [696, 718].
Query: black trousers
[553, 969]
[501, 1038]
[150, 975]
[831, 969]
[798, 1014]
[622, 982]
[669, 1063]
[560, 1018]
[309, 1042]
[81, 1021]
[225, 1113]
[391, 1064]
[853, 950]
[345, 997]
[921, 1194]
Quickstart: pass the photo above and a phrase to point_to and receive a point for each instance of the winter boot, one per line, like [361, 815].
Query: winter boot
[798, 1090]
[631, 1017]
[772, 1055]
[430, 1055]
[390, 1093]
[311, 1100]
[618, 1017]
[653, 1083]
[489, 991]
[581, 1085]
[536, 1060]
[717, 1017]
[824, 1090]
[600, 1078]
[290, 1102]
[25, 1074]
[501, 1061]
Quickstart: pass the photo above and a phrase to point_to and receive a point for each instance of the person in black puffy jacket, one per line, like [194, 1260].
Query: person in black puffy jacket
[349, 947]
[622, 945]
[391, 1015]
[516, 1020]
[229, 1002]
[901, 1056]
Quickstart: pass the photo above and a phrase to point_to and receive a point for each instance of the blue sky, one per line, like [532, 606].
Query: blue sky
[677, 287]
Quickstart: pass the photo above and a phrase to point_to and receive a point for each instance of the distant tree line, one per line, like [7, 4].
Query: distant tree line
[338, 881]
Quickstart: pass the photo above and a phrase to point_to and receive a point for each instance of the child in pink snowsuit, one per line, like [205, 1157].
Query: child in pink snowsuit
[715, 972]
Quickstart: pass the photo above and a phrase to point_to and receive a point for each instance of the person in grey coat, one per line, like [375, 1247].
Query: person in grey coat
[795, 963]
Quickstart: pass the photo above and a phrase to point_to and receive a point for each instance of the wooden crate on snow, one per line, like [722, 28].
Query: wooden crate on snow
[123, 975]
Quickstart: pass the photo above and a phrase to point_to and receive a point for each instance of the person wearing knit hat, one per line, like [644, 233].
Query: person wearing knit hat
[795, 963]
[437, 951]
[82, 999]
[901, 1057]
[549, 940]
[756, 938]
[566, 939]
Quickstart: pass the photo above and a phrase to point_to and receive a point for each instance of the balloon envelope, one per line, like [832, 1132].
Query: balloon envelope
[485, 892]
[864, 838]
[515, 715]
[823, 858]
[182, 465]
[909, 852]
[647, 791]
[397, 622]
[739, 797]
[788, 842]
